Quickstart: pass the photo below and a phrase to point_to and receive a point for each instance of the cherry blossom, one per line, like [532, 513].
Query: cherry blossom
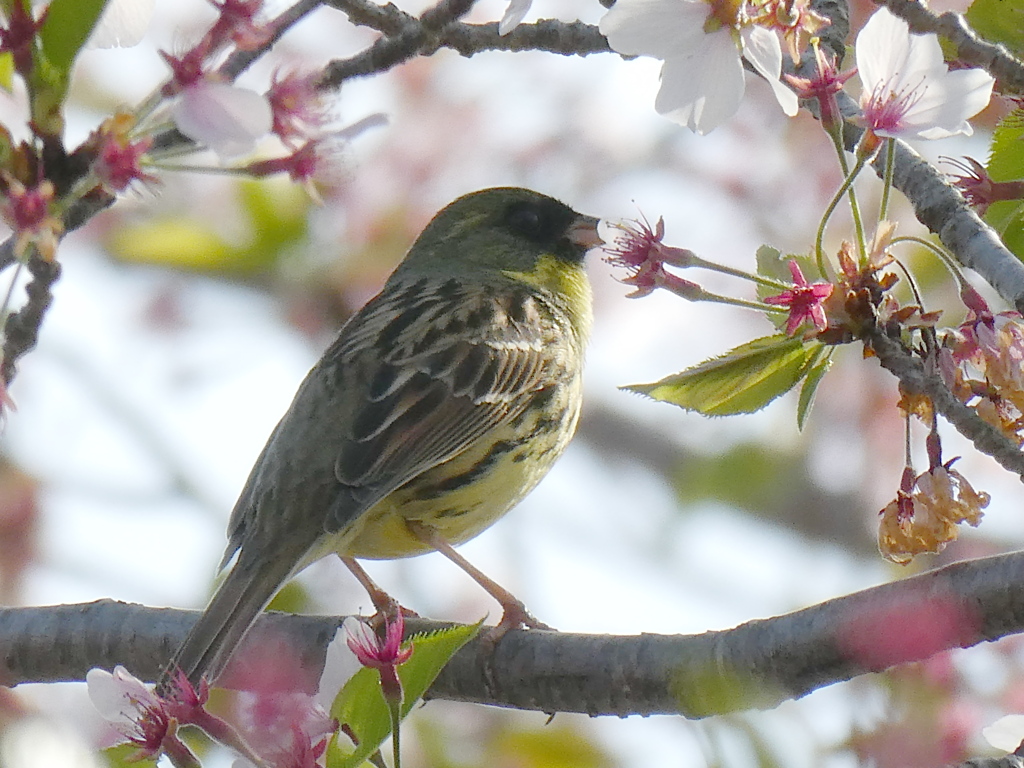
[804, 301]
[702, 78]
[638, 247]
[140, 716]
[224, 117]
[909, 92]
[122, 24]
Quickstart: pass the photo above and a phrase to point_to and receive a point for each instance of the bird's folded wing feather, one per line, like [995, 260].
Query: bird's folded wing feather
[445, 367]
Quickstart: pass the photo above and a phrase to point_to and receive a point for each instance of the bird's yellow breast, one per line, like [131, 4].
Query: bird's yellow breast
[469, 493]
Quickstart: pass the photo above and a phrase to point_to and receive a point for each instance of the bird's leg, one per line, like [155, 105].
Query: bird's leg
[515, 614]
[387, 607]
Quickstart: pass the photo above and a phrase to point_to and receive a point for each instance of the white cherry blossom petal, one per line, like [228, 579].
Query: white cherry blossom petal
[702, 90]
[764, 52]
[968, 91]
[122, 24]
[514, 14]
[118, 697]
[909, 91]
[1006, 733]
[227, 119]
[702, 81]
[658, 28]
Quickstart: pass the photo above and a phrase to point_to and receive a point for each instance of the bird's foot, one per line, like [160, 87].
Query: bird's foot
[515, 616]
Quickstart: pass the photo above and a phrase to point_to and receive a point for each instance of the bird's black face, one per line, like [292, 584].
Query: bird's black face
[547, 223]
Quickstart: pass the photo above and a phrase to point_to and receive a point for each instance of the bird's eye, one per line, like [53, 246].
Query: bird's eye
[528, 219]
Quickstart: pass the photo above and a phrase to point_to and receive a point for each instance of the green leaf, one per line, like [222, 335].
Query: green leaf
[67, 26]
[173, 242]
[360, 706]
[1006, 162]
[1012, 231]
[743, 380]
[999, 21]
[807, 391]
[7, 71]
[771, 263]
[125, 756]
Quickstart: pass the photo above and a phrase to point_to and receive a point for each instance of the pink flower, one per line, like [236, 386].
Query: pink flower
[297, 106]
[28, 212]
[826, 83]
[238, 23]
[315, 164]
[639, 249]
[978, 188]
[804, 301]
[286, 729]
[119, 160]
[383, 655]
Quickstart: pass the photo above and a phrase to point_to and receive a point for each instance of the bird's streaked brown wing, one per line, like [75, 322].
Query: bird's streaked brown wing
[445, 366]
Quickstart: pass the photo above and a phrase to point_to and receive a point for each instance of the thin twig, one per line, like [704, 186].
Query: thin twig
[239, 61]
[22, 327]
[911, 372]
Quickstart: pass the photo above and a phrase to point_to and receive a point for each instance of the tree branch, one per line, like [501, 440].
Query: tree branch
[756, 665]
[405, 36]
[21, 329]
[911, 372]
[416, 37]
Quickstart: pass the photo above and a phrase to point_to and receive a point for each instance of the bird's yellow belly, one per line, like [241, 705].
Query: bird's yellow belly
[469, 493]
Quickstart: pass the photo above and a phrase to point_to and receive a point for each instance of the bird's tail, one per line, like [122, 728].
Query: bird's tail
[240, 598]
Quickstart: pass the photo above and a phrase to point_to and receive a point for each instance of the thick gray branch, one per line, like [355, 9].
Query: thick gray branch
[758, 664]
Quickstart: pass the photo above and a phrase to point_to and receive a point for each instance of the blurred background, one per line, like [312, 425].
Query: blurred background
[187, 315]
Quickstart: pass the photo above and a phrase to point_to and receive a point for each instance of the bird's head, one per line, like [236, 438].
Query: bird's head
[504, 229]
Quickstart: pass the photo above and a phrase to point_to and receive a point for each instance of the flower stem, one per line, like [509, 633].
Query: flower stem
[395, 708]
[767, 282]
[819, 253]
[715, 298]
[858, 222]
[890, 162]
[945, 256]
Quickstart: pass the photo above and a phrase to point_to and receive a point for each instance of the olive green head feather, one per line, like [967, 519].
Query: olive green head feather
[497, 230]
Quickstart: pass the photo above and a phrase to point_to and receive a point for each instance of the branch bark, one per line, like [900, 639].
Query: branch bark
[755, 665]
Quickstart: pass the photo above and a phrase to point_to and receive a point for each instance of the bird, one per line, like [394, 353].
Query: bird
[436, 409]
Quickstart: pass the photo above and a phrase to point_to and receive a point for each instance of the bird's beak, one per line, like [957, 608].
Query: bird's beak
[583, 232]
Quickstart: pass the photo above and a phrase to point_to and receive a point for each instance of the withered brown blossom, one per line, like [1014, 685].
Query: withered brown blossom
[924, 516]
